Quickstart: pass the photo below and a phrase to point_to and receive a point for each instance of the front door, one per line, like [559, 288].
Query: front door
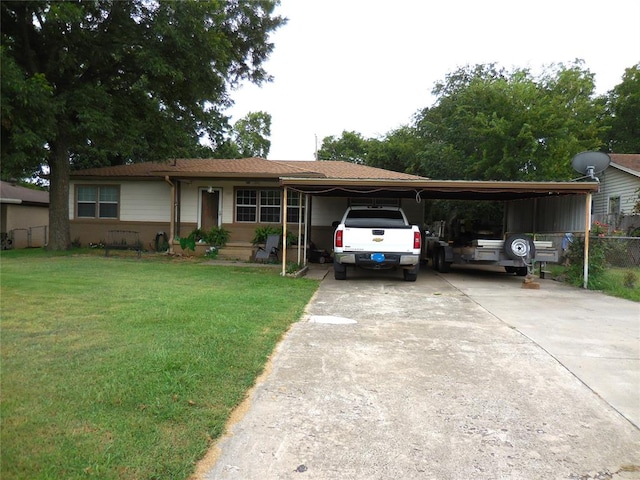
[209, 212]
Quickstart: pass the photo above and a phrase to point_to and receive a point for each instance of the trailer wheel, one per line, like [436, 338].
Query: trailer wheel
[518, 247]
[435, 260]
[443, 265]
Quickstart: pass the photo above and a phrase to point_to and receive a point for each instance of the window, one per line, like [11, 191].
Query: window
[262, 206]
[614, 205]
[97, 201]
[270, 206]
[294, 213]
[246, 205]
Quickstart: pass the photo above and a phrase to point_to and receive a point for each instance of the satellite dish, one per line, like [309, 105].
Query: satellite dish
[590, 163]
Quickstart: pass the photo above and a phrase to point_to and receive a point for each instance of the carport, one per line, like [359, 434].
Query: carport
[432, 189]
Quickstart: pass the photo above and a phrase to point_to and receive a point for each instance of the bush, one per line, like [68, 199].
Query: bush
[261, 234]
[597, 263]
[217, 236]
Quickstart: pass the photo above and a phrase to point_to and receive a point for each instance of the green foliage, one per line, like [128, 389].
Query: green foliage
[623, 114]
[293, 267]
[630, 279]
[129, 373]
[188, 243]
[217, 236]
[261, 234]
[108, 83]
[350, 147]
[251, 135]
[597, 263]
[498, 125]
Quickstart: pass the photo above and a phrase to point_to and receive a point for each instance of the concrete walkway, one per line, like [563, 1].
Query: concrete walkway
[456, 376]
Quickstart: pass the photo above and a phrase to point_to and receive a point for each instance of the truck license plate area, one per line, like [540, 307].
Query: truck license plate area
[378, 257]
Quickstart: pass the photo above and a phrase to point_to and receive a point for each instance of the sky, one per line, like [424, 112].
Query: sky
[369, 65]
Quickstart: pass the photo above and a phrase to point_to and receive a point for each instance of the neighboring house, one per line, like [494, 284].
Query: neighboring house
[616, 202]
[239, 195]
[24, 218]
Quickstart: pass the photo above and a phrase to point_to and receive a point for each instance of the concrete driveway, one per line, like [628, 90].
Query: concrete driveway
[456, 376]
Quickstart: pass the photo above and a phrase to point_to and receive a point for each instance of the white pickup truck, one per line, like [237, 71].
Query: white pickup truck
[376, 238]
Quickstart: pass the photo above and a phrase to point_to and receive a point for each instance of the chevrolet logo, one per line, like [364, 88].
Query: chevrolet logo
[378, 239]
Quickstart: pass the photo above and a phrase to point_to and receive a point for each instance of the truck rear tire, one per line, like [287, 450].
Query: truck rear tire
[339, 271]
[412, 274]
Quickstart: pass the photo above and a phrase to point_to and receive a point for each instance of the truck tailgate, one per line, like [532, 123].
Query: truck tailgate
[399, 240]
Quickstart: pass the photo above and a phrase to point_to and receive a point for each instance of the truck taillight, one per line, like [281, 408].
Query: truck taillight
[339, 238]
[416, 240]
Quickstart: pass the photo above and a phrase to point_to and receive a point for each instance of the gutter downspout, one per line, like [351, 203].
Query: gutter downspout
[172, 222]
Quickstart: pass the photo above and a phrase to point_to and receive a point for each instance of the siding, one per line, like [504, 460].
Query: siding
[139, 201]
[546, 215]
[145, 202]
[614, 183]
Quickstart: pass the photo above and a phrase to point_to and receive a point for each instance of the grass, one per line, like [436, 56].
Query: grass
[614, 281]
[119, 368]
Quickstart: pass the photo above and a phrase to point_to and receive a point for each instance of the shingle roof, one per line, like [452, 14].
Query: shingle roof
[10, 193]
[630, 161]
[242, 168]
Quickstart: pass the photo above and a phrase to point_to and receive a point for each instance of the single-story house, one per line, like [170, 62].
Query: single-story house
[241, 195]
[238, 195]
[24, 216]
[619, 196]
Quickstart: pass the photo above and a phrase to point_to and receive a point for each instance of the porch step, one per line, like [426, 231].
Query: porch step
[242, 251]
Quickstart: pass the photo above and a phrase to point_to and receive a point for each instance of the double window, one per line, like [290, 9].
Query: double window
[265, 206]
[93, 201]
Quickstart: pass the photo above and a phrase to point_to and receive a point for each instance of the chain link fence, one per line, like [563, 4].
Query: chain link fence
[619, 251]
[25, 237]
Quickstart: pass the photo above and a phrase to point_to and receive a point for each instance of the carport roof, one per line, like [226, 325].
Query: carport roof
[443, 189]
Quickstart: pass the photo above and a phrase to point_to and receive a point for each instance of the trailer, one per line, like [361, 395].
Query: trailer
[517, 253]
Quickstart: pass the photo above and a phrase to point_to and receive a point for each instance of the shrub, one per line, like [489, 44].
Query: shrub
[630, 279]
[597, 263]
[217, 236]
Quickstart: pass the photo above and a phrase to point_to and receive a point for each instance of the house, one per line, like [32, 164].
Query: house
[24, 216]
[240, 195]
[174, 198]
[616, 204]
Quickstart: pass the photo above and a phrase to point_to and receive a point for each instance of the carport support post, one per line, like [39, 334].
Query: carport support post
[284, 233]
[587, 227]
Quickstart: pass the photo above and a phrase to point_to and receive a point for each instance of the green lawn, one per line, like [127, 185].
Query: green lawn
[128, 369]
[614, 281]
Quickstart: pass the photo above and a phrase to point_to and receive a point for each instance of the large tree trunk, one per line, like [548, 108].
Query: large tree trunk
[59, 235]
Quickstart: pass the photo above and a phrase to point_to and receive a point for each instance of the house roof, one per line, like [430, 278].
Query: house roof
[627, 162]
[15, 194]
[336, 178]
[242, 168]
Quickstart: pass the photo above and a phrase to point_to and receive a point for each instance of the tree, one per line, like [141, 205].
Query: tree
[623, 114]
[490, 124]
[251, 135]
[397, 150]
[109, 83]
[350, 147]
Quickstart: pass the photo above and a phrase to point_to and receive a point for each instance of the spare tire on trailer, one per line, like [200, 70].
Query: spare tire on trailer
[519, 247]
